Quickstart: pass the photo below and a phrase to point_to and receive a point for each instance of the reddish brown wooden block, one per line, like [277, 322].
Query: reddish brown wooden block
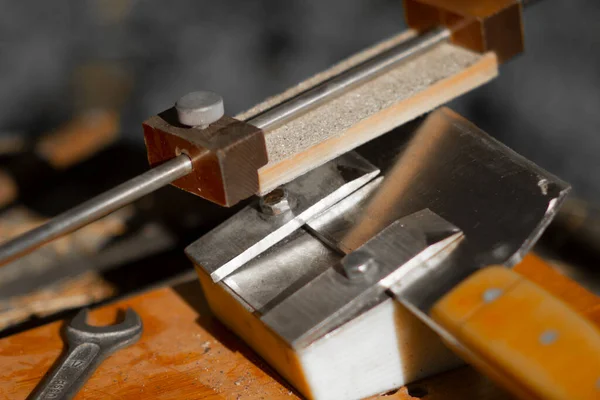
[482, 25]
[226, 156]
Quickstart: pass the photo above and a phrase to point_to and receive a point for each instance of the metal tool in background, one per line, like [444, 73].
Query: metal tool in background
[88, 346]
[208, 109]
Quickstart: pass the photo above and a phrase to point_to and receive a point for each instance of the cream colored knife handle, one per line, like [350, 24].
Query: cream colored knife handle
[522, 336]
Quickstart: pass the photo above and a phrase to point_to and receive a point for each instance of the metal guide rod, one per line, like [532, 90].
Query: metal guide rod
[355, 76]
[166, 173]
[97, 207]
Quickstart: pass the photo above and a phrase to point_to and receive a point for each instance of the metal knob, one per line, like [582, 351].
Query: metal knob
[200, 109]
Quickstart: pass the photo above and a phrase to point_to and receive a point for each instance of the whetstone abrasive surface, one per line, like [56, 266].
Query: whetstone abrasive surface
[342, 113]
[411, 89]
[329, 73]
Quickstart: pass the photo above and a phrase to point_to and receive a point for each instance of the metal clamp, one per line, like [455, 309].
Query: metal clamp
[334, 297]
[261, 225]
[448, 166]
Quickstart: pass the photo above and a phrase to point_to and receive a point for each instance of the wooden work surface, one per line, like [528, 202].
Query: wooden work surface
[185, 353]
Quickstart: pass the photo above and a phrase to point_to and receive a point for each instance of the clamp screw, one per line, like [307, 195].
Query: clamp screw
[276, 202]
[358, 264]
[200, 109]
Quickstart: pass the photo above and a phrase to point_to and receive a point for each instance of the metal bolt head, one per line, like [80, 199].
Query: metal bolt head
[358, 265]
[492, 294]
[200, 109]
[548, 337]
[276, 202]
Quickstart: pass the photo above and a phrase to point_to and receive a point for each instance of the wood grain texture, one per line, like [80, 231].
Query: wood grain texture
[185, 353]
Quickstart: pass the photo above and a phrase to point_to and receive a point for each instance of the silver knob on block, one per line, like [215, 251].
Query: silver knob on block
[200, 109]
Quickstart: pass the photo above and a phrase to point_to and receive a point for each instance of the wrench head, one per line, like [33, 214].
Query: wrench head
[110, 337]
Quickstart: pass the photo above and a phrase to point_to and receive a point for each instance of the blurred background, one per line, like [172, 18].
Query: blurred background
[101, 67]
[141, 56]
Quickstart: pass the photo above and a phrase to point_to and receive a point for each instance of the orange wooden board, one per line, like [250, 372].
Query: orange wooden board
[184, 353]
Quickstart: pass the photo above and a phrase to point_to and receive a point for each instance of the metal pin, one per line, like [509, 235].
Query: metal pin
[200, 109]
[491, 294]
[548, 337]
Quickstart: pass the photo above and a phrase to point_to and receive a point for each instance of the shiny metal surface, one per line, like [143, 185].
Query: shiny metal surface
[200, 108]
[359, 265]
[500, 201]
[332, 298]
[276, 202]
[331, 226]
[281, 270]
[96, 208]
[332, 88]
[250, 232]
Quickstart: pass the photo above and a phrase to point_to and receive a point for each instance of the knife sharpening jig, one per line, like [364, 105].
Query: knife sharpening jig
[362, 261]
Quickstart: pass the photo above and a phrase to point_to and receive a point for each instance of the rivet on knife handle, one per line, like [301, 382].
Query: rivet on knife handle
[522, 336]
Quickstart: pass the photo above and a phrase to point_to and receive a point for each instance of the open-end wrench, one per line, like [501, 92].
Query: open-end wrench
[88, 347]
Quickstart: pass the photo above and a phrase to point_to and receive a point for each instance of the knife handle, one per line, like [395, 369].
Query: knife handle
[521, 336]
